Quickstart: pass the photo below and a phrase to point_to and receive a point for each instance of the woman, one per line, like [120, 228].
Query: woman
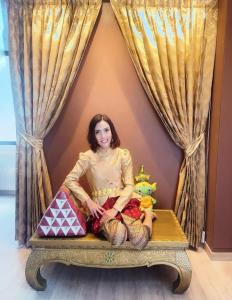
[114, 209]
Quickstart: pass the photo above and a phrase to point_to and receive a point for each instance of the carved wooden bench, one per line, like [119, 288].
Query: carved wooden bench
[167, 246]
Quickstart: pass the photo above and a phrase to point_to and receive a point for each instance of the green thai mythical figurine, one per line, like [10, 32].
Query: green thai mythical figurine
[144, 189]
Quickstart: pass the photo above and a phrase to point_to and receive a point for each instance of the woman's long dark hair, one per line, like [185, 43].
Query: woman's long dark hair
[115, 142]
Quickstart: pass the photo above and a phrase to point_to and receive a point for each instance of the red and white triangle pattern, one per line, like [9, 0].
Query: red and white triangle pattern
[62, 218]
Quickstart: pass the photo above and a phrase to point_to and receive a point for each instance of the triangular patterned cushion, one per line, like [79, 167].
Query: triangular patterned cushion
[62, 218]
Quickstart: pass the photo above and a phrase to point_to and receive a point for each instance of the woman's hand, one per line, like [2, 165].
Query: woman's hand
[108, 214]
[95, 209]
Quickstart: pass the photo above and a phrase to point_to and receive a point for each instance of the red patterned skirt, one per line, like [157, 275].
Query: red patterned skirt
[131, 209]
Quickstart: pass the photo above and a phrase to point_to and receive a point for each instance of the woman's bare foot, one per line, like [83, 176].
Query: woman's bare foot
[149, 217]
[142, 217]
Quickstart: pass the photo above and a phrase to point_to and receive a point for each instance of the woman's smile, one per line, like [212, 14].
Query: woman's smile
[103, 134]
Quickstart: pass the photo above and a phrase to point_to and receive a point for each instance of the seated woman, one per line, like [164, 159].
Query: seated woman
[113, 207]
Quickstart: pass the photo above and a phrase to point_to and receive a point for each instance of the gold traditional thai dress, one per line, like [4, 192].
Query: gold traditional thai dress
[110, 174]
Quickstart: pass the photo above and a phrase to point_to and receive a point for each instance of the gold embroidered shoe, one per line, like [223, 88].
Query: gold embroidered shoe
[138, 233]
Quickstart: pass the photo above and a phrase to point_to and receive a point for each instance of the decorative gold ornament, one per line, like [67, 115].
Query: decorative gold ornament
[144, 189]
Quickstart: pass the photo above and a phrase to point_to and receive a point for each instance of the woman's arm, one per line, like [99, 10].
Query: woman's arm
[72, 183]
[72, 179]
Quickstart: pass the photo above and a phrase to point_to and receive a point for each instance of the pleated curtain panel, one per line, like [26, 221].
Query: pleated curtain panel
[47, 41]
[172, 44]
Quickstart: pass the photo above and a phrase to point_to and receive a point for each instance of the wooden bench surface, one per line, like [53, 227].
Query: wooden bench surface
[167, 233]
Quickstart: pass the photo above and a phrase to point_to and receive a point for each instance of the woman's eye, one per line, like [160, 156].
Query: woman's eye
[107, 129]
[97, 132]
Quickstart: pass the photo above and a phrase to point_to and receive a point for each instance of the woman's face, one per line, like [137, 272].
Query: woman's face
[103, 134]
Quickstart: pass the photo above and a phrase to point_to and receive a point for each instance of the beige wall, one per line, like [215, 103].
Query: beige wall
[107, 83]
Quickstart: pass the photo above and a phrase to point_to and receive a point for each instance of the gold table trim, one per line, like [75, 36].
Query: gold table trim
[167, 246]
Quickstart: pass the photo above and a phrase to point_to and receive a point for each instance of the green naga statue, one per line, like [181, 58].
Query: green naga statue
[144, 189]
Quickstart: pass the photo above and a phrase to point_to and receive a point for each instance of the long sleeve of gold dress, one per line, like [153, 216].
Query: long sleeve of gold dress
[109, 173]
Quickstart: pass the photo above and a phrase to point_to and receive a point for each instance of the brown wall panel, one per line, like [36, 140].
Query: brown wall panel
[219, 224]
[223, 207]
[107, 83]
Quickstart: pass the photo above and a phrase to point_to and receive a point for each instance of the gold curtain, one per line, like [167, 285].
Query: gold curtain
[172, 44]
[47, 41]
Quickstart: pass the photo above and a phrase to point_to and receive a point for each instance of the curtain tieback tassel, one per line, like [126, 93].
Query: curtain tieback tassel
[191, 148]
[36, 143]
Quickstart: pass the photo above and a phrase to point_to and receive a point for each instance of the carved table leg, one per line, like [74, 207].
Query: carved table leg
[184, 273]
[32, 271]
[176, 259]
